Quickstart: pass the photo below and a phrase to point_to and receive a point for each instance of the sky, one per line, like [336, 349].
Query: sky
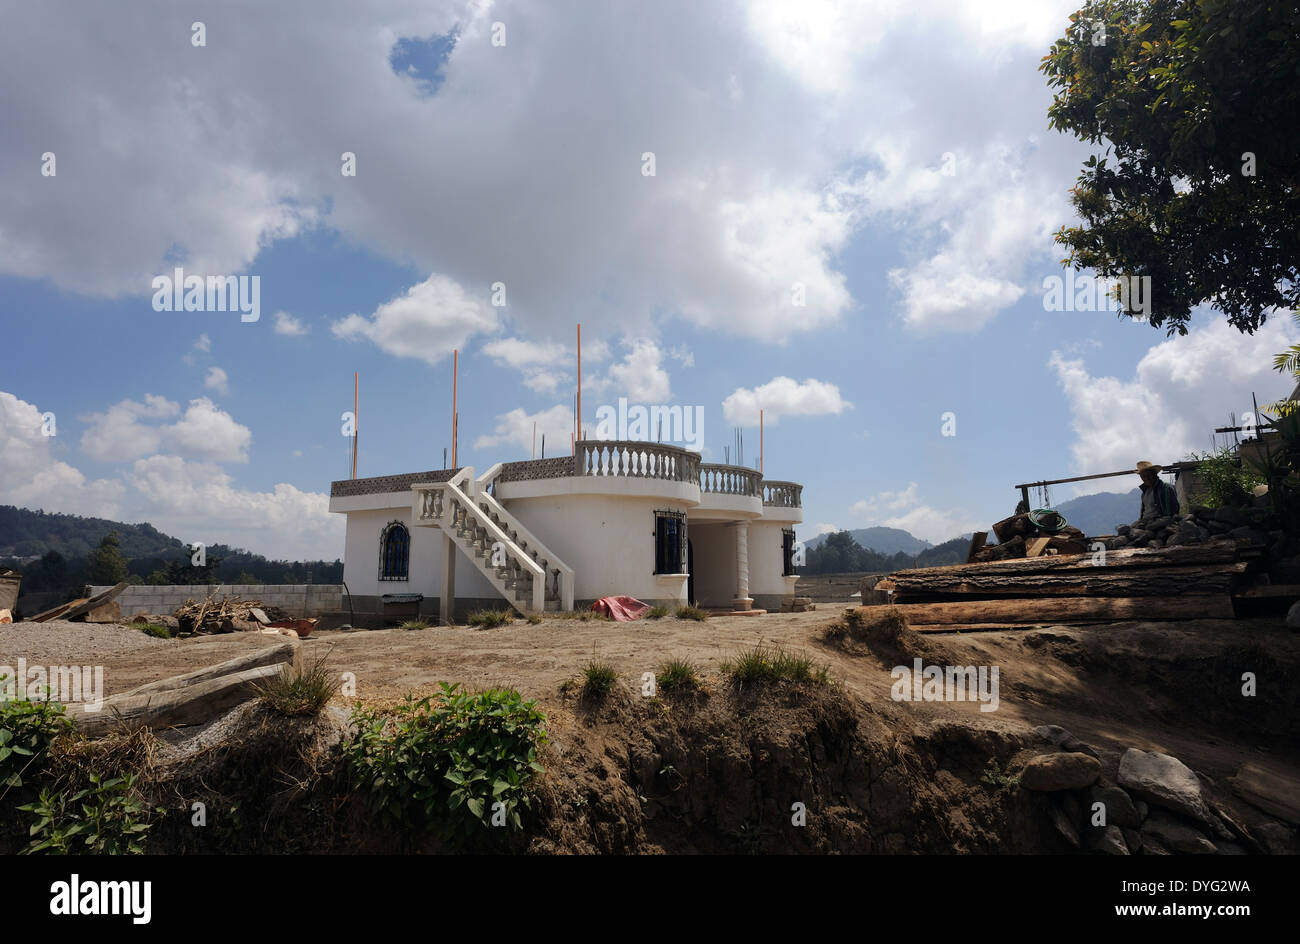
[838, 213]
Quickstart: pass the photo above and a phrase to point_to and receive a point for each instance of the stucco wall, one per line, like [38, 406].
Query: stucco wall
[361, 559]
[607, 540]
[765, 559]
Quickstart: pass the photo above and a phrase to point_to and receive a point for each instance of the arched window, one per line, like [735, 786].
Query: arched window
[395, 552]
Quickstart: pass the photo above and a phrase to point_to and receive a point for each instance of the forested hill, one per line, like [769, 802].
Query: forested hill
[57, 552]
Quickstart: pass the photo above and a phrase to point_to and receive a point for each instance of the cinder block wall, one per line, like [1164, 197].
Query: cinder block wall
[298, 600]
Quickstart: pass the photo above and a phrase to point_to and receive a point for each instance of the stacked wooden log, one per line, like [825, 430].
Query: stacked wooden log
[225, 614]
[1178, 582]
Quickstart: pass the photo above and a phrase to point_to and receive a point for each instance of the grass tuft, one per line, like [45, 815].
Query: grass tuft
[414, 624]
[656, 612]
[692, 613]
[491, 619]
[155, 630]
[773, 664]
[598, 679]
[677, 675]
[305, 694]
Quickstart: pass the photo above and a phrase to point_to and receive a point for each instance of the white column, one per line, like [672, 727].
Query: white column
[447, 595]
[742, 600]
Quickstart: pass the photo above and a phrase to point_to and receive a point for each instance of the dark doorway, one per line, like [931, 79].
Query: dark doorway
[690, 572]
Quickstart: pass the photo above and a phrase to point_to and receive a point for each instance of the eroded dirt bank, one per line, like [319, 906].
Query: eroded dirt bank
[722, 769]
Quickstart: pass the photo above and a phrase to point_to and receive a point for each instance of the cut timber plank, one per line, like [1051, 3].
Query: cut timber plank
[193, 704]
[975, 627]
[977, 541]
[1066, 610]
[1284, 590]
[55, 612]
[1213, 552]
[282, 654]
[1035, 546]
[76, 608]
[1090, 581]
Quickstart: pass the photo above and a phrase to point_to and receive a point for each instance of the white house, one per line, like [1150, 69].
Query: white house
[616, 518]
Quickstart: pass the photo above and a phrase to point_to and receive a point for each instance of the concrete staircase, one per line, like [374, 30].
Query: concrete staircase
[517, 564]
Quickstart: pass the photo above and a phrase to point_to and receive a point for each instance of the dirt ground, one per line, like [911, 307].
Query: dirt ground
[1170, 687]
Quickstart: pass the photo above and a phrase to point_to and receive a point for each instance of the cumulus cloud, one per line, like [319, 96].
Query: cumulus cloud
[431, 320]
[124, 432]
[782, 396]
[31, 476]
[904, 509]
[217, 379]
[198, 501]
[639, 376]
[194, 501]
[764, 166]
[289, 326]
[516, 429]
[1181, 389]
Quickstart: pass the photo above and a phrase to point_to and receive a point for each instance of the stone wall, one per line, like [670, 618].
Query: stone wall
[298, 600]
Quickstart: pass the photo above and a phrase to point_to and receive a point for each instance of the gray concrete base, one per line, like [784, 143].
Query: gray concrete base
[771, 601]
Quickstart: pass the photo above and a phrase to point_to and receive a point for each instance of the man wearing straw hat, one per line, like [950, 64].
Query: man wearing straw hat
[1159, 500]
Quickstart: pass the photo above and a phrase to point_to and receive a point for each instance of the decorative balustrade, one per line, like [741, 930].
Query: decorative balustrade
[720, 479]
[624, 459]
[783, 494]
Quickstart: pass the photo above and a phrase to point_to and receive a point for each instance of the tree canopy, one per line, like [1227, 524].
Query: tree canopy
[1199, 185]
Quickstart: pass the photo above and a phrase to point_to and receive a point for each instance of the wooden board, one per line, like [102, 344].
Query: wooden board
[1092, 581]
[1216, 552]
[1276, 590]
[76, 608]
[282, 654]
[193, 704]
[1066, 610]
[1035, 546]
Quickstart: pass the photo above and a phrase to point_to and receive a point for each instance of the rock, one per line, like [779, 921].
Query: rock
[1277, 838]
[1057, 735]
[1119, 808]
[1293, 616]
[1217, 527]
[1063, 826]
[1159, 524]
[1123, 530]
[1108, 841]
[1270, 790]
[1140, 806]
[1229, 515]
[1176, 835]
[1069, 771]
[1132, 839]
[1163, 780]
[1248, 533]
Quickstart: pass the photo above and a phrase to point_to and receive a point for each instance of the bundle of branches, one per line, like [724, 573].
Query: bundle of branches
[221, 614]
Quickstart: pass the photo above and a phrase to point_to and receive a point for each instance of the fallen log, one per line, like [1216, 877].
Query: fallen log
[193, 704]
[1050, 610]
[284, 653]
[1213, 552]
[1074, 581]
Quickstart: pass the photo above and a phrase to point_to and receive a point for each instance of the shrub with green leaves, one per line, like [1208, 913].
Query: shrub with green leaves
[443, 763]
[1225, 480]
[27, 729]
[105, 818]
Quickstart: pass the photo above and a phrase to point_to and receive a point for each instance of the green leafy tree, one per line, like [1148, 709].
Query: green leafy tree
[1199, 186]
[105, 565]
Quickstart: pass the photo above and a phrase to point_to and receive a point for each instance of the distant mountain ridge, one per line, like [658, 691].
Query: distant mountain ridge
[882, 540]
[1091, 514]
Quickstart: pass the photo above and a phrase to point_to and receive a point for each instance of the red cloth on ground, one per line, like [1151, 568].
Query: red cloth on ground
[623, 609]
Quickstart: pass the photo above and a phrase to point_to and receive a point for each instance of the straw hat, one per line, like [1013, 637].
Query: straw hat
[1148, 467]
